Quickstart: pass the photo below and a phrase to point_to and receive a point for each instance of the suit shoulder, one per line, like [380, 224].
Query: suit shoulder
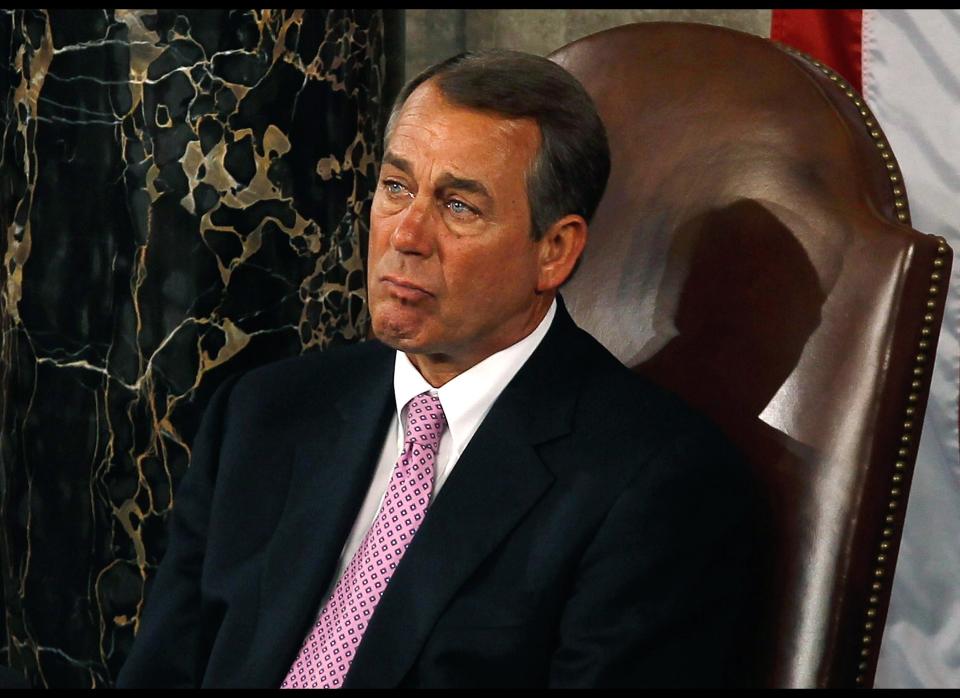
[297, 379]
[640, 416]
[627, 394]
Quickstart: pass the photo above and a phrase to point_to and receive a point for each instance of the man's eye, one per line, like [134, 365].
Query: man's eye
[394, 187]
[458, 208]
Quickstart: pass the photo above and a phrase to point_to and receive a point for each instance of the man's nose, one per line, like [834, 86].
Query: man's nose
[414, 231]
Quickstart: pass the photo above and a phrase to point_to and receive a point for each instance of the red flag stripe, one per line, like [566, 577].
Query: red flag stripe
[831, 36]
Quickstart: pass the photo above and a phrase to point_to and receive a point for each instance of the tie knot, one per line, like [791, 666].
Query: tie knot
[425, 421]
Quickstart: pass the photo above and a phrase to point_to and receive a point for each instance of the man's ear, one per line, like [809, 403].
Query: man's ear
[560, 247]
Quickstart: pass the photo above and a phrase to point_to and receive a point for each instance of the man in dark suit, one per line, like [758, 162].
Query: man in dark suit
[551, 518]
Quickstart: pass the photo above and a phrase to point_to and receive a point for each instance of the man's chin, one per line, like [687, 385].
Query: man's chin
[398, 334]
[406, 345]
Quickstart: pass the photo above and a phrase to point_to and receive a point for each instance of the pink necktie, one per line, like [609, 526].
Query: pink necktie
[330, 647]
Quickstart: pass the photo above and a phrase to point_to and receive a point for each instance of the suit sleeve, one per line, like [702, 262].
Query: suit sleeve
[170, 649]
[661, 594]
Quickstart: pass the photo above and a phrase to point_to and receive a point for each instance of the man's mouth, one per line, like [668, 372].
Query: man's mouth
[404, 289]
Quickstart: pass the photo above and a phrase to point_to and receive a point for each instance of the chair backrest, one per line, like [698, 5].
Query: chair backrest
[753, 253]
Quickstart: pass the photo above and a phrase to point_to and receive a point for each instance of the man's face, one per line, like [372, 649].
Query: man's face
[453, 271]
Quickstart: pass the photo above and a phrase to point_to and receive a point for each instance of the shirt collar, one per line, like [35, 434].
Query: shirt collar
[467, 398]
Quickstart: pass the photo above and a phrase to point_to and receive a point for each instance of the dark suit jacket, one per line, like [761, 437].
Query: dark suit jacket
[594, 532]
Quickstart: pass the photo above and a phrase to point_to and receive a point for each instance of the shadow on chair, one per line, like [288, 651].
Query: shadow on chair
[753, 253]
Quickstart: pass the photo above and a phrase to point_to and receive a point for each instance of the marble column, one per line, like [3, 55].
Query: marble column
[182, 196]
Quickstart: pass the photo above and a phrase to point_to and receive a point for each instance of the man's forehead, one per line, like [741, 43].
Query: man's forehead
[429, 111]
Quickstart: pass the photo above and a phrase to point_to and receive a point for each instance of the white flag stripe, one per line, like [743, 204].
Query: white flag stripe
[911, 80]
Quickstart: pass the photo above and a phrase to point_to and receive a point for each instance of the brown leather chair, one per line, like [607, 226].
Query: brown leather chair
[753, 252]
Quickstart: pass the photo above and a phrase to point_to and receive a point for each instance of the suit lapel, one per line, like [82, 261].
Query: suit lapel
[333, 465]
[498, 478]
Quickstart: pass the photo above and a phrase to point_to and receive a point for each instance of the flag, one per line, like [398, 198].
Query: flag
[907, 64]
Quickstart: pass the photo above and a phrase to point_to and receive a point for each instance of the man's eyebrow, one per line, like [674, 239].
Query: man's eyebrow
[473, 186]
[398, 162]
[445, 181]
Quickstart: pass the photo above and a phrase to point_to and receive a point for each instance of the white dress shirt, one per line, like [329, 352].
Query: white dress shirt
[465, 399]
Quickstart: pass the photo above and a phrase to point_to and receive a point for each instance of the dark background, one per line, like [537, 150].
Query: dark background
[182, 196]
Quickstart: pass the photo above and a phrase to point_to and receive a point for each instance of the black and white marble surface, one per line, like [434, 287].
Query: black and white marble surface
[182, 196]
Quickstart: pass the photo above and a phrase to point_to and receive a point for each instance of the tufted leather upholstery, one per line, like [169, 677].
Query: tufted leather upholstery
[753, 253]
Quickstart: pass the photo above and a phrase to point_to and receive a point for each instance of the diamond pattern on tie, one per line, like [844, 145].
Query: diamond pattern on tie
[332, 643]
